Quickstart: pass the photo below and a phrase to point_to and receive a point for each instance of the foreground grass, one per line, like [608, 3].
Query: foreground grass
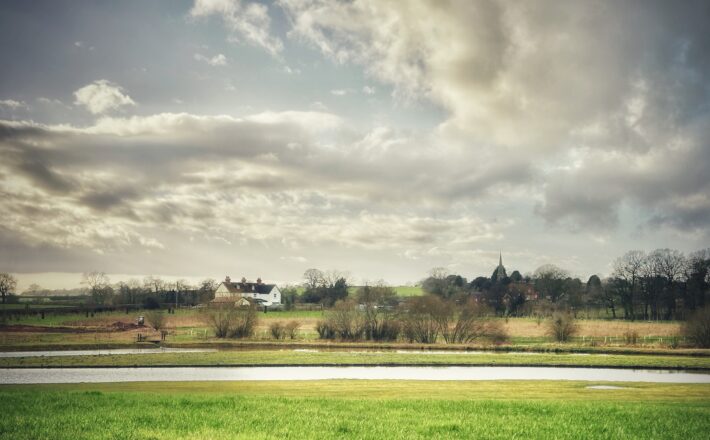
[291, 357]
[353, 409]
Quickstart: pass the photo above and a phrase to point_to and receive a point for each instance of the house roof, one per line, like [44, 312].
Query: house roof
[249, 287]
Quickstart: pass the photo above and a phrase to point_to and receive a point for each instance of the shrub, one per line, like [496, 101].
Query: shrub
[472, 324]
[291, 329]
[631, 337]
[245, 322]
[697, 328]
[229, 321]
[155, 319]
[562, 327]
[348, 322]
[325, 329]
[277, 330]
[423, 317]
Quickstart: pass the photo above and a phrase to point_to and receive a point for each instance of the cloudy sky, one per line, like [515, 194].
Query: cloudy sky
[384, 138]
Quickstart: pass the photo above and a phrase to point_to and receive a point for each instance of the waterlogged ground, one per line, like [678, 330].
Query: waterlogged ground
[86, 375]
[353, 409]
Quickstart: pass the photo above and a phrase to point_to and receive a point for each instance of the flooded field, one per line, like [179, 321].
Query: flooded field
[79, 375]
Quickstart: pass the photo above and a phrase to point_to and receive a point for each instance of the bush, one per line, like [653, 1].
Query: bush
[423, 317]
[229, 321]
[245, 322]
[291, 329]
[697, 328]
[325, 329]
[562, 327]
[155, 319]
[631, 337]
[347, 320]
[473, 324]
[277, 330]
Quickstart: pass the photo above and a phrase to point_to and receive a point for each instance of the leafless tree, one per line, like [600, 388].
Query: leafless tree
[8, 283]
[550, 282]
[628, 269]
[98, 283]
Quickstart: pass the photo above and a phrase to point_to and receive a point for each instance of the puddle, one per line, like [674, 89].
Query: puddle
[78, 375]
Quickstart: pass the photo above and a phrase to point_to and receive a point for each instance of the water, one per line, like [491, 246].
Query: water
[79, 375]
[52, 353]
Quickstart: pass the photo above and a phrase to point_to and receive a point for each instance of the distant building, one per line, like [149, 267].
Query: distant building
[499, 274]
[258, 292]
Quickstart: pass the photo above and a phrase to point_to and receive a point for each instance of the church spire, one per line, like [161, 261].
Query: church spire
[500, 261]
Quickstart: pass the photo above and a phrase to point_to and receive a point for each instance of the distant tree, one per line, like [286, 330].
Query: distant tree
[33, 289]
[154, 284]
[8, 283]
[628, 270]
[206, 290]
[515, 277]
[698, 279]
[550, 282]
[98, 284]
[312, 279]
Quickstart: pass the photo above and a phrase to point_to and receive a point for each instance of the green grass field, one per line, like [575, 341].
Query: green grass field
[354, 409]
[290, 357]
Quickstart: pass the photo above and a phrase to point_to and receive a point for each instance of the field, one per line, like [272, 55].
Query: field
[354, 409]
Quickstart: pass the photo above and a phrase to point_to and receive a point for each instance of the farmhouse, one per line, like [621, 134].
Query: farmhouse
[258, 292]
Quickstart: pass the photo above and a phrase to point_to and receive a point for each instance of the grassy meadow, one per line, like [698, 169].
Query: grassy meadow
[354, 409]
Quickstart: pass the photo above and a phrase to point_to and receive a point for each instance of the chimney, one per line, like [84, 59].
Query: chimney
[258, 281]
[227, 279]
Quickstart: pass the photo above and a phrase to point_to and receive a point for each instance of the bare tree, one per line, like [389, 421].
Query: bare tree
[98, 283]
[312, 278]
[550, 282]
[8, 283]
[628, 269]
[154, 284]
[472, 324]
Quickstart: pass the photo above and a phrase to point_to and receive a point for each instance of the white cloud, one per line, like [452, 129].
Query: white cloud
[217, 60]
[368, 90]
[546, 85]
[339, 92]
[101, 96]
[12, 104]
[246, 20]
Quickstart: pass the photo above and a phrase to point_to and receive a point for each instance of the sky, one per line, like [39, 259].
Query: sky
[205, 138]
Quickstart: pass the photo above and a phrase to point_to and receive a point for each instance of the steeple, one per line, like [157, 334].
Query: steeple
[499, 273]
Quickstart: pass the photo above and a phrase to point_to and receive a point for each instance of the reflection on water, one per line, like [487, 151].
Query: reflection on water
[77, 375]
[53, 353]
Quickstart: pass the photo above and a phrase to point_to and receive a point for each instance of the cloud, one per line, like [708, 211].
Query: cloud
[217, 60]
[339, 92]
[12, 104]
[568, 90]
[368, 90]
[247, 20]
[101, 96]
[127, 182]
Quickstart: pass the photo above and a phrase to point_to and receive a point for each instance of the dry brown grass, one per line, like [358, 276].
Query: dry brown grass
[521, 327]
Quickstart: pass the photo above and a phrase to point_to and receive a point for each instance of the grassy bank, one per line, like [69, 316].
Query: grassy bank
[354, 409]
[291, 357]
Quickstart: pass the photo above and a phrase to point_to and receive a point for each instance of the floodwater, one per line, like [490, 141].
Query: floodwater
[79, 375]
[52, 353]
